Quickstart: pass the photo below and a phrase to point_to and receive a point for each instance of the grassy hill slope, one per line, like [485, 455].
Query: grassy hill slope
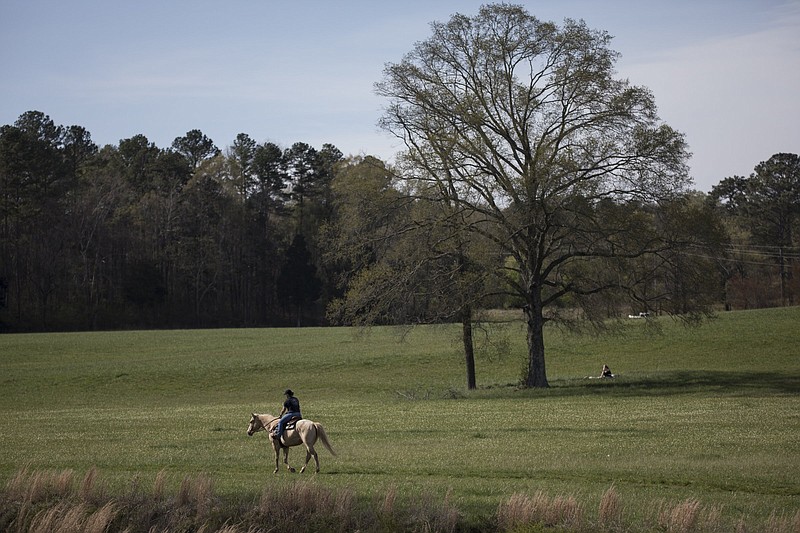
[711, 413]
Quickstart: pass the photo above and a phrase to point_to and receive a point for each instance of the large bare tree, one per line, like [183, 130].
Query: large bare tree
[523, 125]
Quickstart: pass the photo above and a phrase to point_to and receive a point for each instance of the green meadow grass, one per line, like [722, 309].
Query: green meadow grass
[709, 413]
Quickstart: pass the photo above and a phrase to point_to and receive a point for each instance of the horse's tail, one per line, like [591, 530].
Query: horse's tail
[323, 437]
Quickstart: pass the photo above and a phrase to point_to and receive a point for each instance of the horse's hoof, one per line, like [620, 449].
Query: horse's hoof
[292, 470]
[302, 470]
[275, 471]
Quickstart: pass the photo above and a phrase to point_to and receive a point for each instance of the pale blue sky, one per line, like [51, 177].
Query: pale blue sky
[724, 72]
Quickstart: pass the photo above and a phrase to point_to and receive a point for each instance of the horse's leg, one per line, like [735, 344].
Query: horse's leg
[277, 454]
[311, 452]
[316, 458]
[286, 459]
[308, 458]
[305, 438]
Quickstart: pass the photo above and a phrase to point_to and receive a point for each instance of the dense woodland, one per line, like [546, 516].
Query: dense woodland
[139, 236]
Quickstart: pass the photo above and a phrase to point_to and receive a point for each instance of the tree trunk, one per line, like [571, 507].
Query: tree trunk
[535, 376]
[469, 351]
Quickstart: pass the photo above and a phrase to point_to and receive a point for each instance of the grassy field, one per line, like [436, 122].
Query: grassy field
[709, 413]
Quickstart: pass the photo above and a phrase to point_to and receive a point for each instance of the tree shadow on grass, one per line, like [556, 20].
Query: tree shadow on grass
[683, 382]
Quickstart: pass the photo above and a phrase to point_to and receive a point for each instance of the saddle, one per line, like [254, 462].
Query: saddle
[289, 425]
[292, 422]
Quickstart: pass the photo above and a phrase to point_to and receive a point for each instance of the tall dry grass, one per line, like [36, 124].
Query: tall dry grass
[609, 515]
[62, 502]
[76, 517]
[522, 510]
[539, 512]
[305, 503]
[54, 502]
[681, 518]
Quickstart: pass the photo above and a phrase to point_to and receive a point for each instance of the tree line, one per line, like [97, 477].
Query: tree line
[136, 236]
[133, 235]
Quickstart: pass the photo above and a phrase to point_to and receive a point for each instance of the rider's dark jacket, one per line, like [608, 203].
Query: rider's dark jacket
[292, 405]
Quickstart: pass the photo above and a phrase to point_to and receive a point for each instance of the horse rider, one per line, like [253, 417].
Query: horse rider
[291, 409]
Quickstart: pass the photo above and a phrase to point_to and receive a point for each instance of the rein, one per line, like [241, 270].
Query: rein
[264, 426]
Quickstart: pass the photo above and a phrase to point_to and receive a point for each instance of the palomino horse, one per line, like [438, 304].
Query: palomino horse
[305, 432]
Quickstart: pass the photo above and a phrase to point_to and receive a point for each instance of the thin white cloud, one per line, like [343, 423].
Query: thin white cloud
[304, 71]
[734, 97]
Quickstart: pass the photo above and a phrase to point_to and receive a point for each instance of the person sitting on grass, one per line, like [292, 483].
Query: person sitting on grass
[606, 372]
[291, 409]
